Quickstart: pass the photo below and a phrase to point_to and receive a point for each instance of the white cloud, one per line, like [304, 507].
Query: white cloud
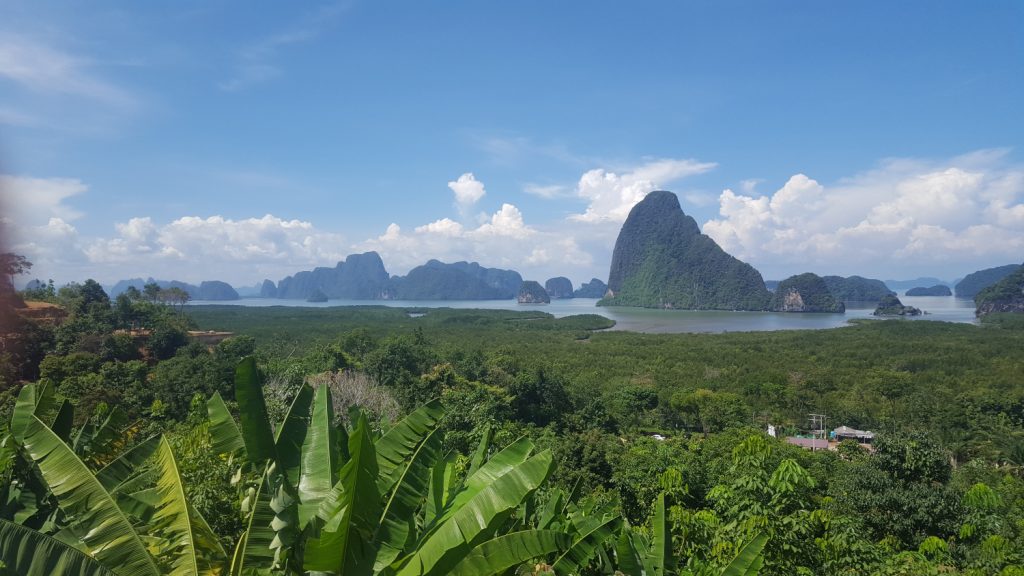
[545, 191]
[508, 222]
[468, 191]
[190, 248]
[45, 69]
[443, 227]
[32, 201]
[502, 240]
[612, 195]
[904, 217]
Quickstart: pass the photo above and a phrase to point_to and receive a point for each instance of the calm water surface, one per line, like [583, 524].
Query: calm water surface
[944, 308]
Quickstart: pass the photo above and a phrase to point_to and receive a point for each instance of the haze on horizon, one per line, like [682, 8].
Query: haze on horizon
[199, 141]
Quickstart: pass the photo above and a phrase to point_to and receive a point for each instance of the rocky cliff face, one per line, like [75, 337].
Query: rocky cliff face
[1005, 296]
[805, 293]
[661, 260]
[268, 289]
[559, 287]
[359, 277]
[531, 292]
[593, 289]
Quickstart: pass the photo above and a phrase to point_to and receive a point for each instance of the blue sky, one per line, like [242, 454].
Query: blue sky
[239, 141]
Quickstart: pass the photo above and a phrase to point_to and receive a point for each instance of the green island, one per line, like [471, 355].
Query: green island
[805, 293]
[281, 440]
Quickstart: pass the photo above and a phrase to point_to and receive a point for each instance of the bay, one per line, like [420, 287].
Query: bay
[937, 308]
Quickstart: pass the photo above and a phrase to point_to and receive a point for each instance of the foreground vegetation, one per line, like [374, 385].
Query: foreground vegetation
[293, 461]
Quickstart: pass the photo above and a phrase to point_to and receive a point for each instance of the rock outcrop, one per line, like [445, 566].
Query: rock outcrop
[559, 287]
[661, 260]
[317, 296]
[805, 293]
[937, 290]
[593, 289]
[268, 289]
[891, 306]
[531, 292]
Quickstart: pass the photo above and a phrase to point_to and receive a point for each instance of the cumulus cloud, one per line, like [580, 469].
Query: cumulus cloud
[503, 240]
[33, 201]
[903, 217]
[468, 191]
[611, 195]
[190, 248]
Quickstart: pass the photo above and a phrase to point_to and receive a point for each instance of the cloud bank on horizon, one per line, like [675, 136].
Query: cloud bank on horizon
[902, 217]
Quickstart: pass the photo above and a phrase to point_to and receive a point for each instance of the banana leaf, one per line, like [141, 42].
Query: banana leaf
[106, 531]
[270, 528]
[350, 512]
[109, 439]
[25, 552]
[552, 509]
[627, 557]
[394, 448]
[114, 474]
[498, 555]
[33, 400]
[587, 544]
[500, 464]
[660, 555]
[442, 479]
[748, 560]
[64, 421]
[192, 548]
[224, 434]
[480, 456]
[318, 456]
[292, 433]
[257, 434]
[410, 490]
[475, 520]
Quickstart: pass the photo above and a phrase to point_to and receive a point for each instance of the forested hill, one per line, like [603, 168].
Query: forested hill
[437, 280]
[1004, 296]
[937, 290]
[805, 293]
[661, 260]
[975, 282]
[206, 290]
[856, 288]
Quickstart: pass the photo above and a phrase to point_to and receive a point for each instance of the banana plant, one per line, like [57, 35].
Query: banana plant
[337, 500]
[124, 518]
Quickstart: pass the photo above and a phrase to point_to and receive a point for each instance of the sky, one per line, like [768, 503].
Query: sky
[239, 141]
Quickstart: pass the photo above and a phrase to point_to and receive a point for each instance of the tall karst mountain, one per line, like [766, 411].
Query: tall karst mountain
[662, 260]
[360, 277]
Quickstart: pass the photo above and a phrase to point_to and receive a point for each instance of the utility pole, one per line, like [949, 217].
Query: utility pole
[817, 426]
